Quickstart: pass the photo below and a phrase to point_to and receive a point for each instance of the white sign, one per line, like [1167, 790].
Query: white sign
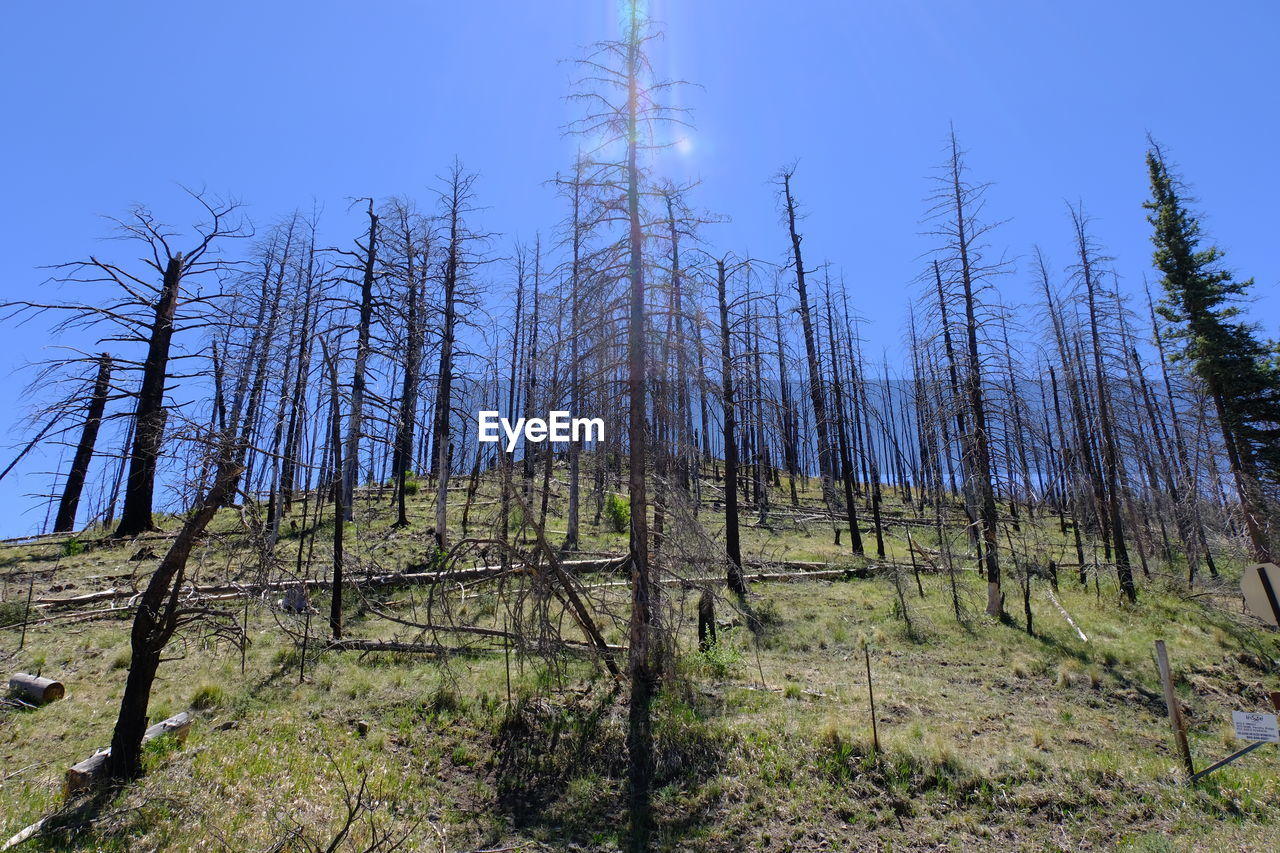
[1255, 727]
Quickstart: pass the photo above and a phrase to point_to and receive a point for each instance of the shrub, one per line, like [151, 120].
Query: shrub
[721, 658]
[12, 612]
[208, 696]
[72, 547]
[618, 510]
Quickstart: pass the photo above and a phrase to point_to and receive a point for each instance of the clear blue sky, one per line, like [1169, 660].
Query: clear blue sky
[280, 103]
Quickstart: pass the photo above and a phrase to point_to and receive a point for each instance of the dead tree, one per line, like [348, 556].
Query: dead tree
[954, 207]
[733, 550]
[817, 395]
[366, 257]
[415, 253]
[66, 518]
[623, 103]
[456, 201]
[161, 612]
[1106, 421]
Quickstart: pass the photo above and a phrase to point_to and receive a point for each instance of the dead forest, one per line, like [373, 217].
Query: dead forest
[271, 421]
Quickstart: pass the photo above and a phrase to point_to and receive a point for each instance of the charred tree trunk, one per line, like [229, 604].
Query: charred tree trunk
[414, 341]
[65, 521]
[355, 421]
[149, 419]
[733, 549]
[159, 614]
[816, 393]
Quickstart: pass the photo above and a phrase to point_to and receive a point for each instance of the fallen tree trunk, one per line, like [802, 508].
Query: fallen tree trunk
[26, 834]
[435, 650]
[37, 689]
[88, 773]
[605, 564]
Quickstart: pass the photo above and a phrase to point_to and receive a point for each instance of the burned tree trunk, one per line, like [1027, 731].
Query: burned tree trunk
[66, 518]
[149, 419]
[340, 498]
[816, 393]
[414, 341]
[846, 461]
[159, 615]
[733, 549]
[1110, 452]
[355, 422]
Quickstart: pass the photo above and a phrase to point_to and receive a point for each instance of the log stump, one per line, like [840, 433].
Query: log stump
[35, 688]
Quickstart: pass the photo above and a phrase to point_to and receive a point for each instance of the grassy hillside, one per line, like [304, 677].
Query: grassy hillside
[990, 738]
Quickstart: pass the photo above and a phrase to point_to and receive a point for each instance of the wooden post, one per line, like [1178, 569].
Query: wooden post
[915, 568]
[306, 637]
[871, 696]
[26, 614]
[1174, 708]
[244, 625]
[506, 655]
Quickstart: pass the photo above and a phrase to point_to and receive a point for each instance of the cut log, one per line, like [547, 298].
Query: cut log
[37, 689]
[83, 776]
[88, 773]
[179, 725]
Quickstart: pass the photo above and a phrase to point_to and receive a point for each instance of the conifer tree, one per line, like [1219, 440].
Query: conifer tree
[1239, 371]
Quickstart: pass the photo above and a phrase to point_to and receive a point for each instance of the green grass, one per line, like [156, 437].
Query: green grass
[990, 738]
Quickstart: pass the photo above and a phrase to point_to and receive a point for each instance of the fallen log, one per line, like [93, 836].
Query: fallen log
[1066, 615]
[105, 613]
[234, 590]
[24, 835]
[435, 650]
[37, 689]
[88, 773]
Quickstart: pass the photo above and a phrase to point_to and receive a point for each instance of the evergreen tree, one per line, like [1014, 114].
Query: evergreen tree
[1239, 371]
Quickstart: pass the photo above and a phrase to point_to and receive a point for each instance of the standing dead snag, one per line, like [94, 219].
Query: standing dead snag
[1106, 424]
[355, 420]
[706, 620]
[622, 106]
[150, 416]
[640, 664]
[456, 200]
[340, 497]
[816, 393]
[733, 549]
[955, 202]
[66, 518]
[416, 250]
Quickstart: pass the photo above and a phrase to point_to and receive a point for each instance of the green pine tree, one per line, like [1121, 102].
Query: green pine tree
[1240, 372]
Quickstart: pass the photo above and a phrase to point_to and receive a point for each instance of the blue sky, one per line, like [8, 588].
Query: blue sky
[283, 103]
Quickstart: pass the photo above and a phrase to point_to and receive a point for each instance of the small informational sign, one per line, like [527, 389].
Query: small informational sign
[1260, 586]
[1255, 727]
